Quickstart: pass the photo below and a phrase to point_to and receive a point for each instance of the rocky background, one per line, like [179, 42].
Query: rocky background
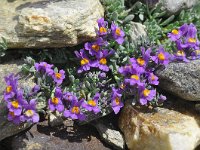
[28, 24]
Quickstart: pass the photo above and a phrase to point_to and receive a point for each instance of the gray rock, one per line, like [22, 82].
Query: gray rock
[7, 128]
[43, 137]
[174, 126]
[110, 135]
[42, 23]
[181, 79]
[137, 31]
[173, 6]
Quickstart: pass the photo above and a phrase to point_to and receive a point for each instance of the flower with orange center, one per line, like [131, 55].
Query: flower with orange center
[92, 103]
[29, 113]
[153, 77]
[192, 40]
[12, 113]
[117, 101]
[141, 61]
[15, 104]
[134, 76]
[84, 61]
[180, 53]
[174, 31]
[118, 31]
[58, 75]
[146, 92]
[161, 56]
[103, 61]
[102, 30]
[95, 47]
[55, 100]
[75, 110]
[8, 89]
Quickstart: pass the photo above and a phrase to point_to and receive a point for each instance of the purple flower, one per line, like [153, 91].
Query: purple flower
[134, 77]
[12, 117]
[142, 61]
[94, 47]
[125, 70]
[162, 98]
[195, 54]
[30, 114]
[55, 103]
[152, 79]
[15, 105]
[177, 34]
[84, 61]
[162, 57]
[75, 110]
[59, 77]
[36, 88]
[180, 56]
[92, 104]
[102, 27]
[117, 33]
[44, 68]
[101, 61]
[11, 89]
[69, 96]
[146, 95]
[116, 102]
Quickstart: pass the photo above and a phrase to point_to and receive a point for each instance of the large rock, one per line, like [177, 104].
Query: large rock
[42, 23]
[70, 137]
[182, 79]
[174, 127]
[7, 128]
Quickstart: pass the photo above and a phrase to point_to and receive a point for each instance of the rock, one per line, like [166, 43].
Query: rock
[110, 135]
[175, 6]
[181, 79]
[171, 6]
[42, 136]
[137, 31]
[51, 24]
[7, 128]
[55, 120]
[173, 127]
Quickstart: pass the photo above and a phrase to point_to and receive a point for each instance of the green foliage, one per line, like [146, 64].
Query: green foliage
[3, 47]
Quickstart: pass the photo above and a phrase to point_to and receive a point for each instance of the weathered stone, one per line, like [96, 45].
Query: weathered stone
[55, 23]
[173, 6]
[173, 127]
[181, 79]
[137, 31]
[43, 137]
[110, 135]
[7, 128]
[55, 120]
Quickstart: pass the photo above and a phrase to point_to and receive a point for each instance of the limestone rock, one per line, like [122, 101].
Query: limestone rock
[170, 128]
[181, 79]
[55, 23]
[110, 135]
[7, 128]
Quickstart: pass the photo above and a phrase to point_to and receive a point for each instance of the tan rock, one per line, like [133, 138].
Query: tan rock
[168, 128]
[55, 23]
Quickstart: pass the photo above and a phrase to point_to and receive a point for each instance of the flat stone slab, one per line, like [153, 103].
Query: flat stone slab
[48, 24]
